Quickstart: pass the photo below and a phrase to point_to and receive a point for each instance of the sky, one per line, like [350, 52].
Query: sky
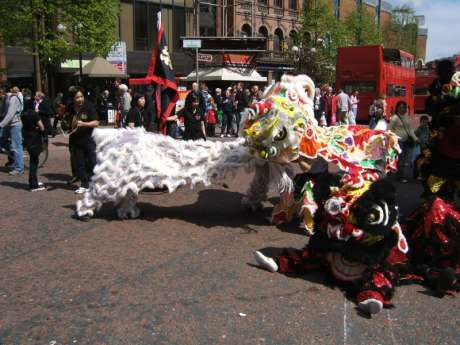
[443, 23]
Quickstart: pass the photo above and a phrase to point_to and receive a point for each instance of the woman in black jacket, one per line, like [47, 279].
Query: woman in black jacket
[194, 120]
[136, 116]
[81, 143]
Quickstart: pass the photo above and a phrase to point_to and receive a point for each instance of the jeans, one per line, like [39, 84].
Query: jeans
[16, 147]
[352, 118]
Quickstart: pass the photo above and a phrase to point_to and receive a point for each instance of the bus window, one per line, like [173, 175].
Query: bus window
[396, 90]
[421, 91]
[361, 87]
[402, 91]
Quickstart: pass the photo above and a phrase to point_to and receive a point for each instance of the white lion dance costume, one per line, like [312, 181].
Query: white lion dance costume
[129, 160]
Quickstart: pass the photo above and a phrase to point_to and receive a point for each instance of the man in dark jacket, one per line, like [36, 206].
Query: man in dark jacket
[242, 102]
[196, 92]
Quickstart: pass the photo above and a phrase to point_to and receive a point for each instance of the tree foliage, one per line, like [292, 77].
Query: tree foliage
[321, 34]
[89, 26]
[361, 28]
[401, 32]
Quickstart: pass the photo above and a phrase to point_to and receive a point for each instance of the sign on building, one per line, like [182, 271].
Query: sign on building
[117, 56]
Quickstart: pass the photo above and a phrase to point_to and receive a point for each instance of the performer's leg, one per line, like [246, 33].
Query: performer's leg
[291, 261]
[376, 291]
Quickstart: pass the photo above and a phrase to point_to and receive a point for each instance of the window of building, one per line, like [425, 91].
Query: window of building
[263, 32]
[246, 30]
[140, 27]
[278, 41]
[278, 3]
[179, 26]
[208, 22]
[263, 2]
[293, 5]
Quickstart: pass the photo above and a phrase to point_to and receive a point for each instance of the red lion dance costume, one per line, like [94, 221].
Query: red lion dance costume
[353, 227]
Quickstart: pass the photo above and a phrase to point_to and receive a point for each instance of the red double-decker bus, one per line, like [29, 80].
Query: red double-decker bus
[373, 71]
[424, 77]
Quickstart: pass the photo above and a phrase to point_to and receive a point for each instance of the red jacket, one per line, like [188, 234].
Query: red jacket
[211, 117]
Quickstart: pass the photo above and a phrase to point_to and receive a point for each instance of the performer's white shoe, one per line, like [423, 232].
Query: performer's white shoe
[265, 262]
[371, 306]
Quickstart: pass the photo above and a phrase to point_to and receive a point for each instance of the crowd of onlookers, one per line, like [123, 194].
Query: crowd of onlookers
[25, 121]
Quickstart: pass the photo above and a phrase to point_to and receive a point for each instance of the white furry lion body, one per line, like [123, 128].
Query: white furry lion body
[129, 160]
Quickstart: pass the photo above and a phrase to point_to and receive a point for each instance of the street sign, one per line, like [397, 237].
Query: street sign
[204, 57]
[191, 43]
[117, 56]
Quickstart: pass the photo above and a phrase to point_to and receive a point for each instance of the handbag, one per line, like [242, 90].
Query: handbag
[410, 142]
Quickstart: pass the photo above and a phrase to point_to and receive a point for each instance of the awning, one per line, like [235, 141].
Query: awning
[226, 74]
[101, 68]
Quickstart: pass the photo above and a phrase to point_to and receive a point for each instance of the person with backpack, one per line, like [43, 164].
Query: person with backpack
[12, 123]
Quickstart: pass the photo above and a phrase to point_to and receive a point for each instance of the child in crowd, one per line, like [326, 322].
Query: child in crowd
[33, 141]
[423, 132]
[211, 118]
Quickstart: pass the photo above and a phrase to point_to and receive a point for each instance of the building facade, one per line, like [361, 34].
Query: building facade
[276, 20]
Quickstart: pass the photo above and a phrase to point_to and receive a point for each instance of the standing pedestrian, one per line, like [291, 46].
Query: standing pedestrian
[219, 113]
[255, 93]
[399, 124]
[83, 147]
[135, 116]
[33, 141]
[211, 118]
[354, 107]
[317, 105]
[193, 119]
[59, 110]
[227, 108]
[44, 109]
[327, 103]
[196, 92]
[242, 102]
[343, 106]
[13, 125]
[124, 104]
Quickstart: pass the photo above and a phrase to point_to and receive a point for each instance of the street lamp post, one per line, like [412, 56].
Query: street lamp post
[62, 28]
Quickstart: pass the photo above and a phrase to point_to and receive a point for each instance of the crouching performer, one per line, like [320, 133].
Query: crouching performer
[357, 240]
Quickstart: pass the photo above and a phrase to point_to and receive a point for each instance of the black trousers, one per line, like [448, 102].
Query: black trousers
[34, 154]
[84, 159]
[227, 123]
[211, 130]
[47, 124]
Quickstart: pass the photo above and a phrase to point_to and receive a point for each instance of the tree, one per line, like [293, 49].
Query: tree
[361, 28]
[86, 26]
[401, 32]
[320, 35]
